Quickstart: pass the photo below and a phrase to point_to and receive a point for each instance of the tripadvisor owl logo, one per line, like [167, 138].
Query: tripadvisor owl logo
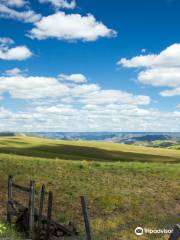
[139, 231]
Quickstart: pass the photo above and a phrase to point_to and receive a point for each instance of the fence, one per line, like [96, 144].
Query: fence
[15, 208]
[39, 227]
[31, 220]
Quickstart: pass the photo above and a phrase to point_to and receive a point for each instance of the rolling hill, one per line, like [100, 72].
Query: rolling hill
[127, 186]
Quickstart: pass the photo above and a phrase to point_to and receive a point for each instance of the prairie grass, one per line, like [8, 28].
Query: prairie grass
[127, 186]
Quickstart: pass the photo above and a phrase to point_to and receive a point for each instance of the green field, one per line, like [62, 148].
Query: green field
[127, 186]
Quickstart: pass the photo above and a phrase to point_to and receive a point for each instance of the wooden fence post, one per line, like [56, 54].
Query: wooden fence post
[176, 233]
[10, 180]
[41, 204]
[31, 208]
[49, 214]
[86, 218]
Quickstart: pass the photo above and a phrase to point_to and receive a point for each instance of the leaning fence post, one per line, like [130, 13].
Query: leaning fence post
[41, 203]
[176, 233]
[86, 218]
[10, 180]
[49, 214]
[31, 208]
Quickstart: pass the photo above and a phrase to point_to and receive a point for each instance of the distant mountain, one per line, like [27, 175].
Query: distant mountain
[147, 137]
[7, 134]
[159, 139]
[117, 137]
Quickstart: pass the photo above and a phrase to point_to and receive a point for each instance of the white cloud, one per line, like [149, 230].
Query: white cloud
[27, 16]
[76, 78]
[70, 27]
[39, 87]
[14, 3]
[103, 97]
[57, 4]
[160, 76]
[53, 105]
[61, 117]
[171, 93]
[4, 41]
[14, 53]
[170, 57]
[29, 87]
[137, 62]
[84, 89]
[13, 72]
[161, 69]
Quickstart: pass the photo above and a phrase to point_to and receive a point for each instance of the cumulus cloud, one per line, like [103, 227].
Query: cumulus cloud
[57, 4]
[13, 72]
[62, 117]
[70, 27]
[59, 106]
[13, 53]
[76, 78]
[170, 57]
[16, 53]
[32, 87]
[171, 93]
[160, 77]
[27, 16]
[161, 69]
[84, 90]
[104, 97]
[39, 87]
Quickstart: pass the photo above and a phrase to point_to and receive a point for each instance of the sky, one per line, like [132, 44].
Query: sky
[76, 65]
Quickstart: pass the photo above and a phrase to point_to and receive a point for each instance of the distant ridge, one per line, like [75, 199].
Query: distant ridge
[117, 137]
[148, 139]
[7, 134]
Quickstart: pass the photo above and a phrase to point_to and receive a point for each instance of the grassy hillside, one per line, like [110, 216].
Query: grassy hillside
[127, 186]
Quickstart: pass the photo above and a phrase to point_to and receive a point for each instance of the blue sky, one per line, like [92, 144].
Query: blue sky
[89, 65]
